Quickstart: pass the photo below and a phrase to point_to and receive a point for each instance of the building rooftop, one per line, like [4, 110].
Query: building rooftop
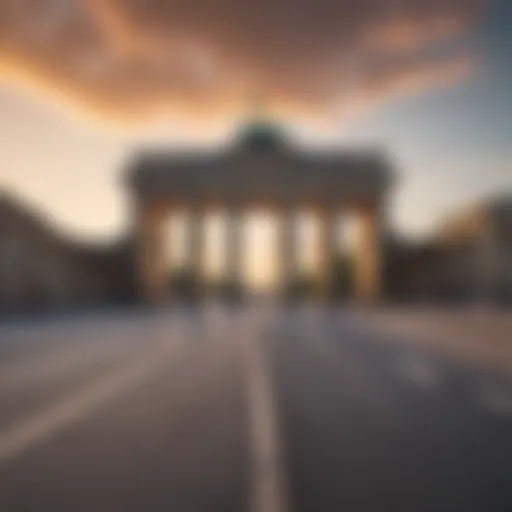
[262, 160]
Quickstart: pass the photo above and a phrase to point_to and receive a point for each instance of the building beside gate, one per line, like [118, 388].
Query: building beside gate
[43, 270]
[468, 259]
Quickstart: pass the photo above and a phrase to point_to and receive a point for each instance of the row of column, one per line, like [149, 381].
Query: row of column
[153, 278]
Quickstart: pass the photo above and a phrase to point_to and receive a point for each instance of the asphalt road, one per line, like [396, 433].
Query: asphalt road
[257, 408]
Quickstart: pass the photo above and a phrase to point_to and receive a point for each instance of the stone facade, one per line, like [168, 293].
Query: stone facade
[469, 258]
[262, 167]
[40, 270]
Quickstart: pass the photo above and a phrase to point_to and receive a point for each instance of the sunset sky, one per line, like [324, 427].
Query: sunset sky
[84, 83]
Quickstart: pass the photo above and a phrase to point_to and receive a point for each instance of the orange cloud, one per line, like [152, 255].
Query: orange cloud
[115, 29]
[423, 76]
[408, 82]
[412, 35]
[137, 60]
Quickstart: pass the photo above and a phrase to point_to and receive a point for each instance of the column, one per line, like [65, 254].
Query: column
[487, 268]
[234, 248]
[368, 256]
[327, 241]
[287, 249]
[195, 248]
[151, 268]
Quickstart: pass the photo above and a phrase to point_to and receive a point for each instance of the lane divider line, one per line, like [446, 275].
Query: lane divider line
[267, 483]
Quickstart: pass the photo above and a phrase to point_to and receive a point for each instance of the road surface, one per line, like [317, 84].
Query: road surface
[257, 408]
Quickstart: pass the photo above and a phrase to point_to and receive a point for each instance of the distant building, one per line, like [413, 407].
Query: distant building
[469, 259]
[40, 270]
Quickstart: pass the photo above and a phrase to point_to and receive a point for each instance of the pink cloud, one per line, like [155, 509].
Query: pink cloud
[137, 57]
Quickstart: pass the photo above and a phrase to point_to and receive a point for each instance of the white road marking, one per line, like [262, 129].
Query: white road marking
[267, 491]
[47, 422]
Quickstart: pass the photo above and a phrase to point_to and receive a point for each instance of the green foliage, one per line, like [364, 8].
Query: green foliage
[183, 284]
[342, 276]
[228, 289]
[300, 287]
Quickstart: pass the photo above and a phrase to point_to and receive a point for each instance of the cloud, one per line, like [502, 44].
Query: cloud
[144, 58]
[406, 82]
[403, 36]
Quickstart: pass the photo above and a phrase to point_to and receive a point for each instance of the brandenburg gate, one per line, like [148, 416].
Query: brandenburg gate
[262, 167]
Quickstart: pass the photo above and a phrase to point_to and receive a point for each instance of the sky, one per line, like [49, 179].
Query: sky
[85, 83]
